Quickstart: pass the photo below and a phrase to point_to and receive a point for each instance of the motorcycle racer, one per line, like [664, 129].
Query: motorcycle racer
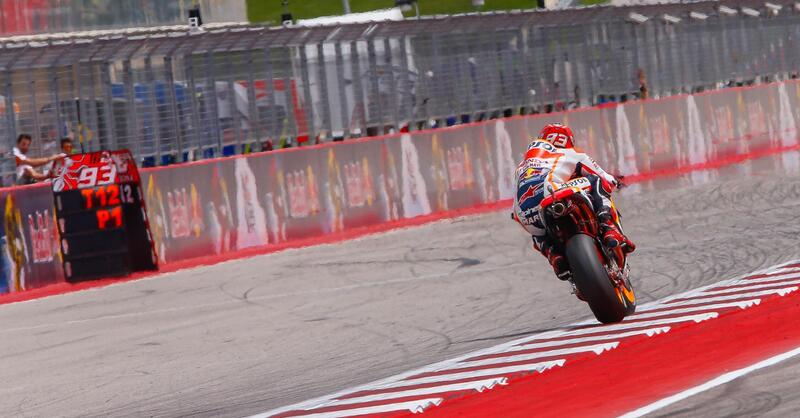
[551, 162]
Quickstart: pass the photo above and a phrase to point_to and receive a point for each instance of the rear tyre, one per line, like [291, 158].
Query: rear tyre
[591, 278]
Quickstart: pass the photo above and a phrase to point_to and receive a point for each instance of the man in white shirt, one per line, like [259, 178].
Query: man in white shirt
[26, 172]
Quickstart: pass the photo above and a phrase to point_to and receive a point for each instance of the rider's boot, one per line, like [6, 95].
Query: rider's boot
[612, 235]
[558, 262]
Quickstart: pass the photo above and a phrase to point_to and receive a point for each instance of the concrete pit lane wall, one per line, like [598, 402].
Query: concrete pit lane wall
[231, 207]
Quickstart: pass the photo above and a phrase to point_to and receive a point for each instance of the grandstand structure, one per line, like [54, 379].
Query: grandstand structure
[173, 94]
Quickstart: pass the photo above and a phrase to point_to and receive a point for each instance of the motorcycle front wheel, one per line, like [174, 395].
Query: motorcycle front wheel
[591, 278]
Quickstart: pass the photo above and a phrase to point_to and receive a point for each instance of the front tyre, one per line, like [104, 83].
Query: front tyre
[591, 278]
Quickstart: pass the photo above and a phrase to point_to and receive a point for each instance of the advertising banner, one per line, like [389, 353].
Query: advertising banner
[217, 207]
[220, 206]
[30, 255]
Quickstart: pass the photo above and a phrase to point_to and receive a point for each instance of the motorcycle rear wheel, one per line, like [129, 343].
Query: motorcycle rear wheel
[591, 278]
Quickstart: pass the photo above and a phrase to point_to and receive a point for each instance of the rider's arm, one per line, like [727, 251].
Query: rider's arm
[587, 165]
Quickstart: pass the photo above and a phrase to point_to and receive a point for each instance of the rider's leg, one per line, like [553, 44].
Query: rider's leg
[544, 245]
[612, 232]
[608, 217]
[527, 215]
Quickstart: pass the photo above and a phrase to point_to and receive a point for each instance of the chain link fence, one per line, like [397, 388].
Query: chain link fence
[173, 95]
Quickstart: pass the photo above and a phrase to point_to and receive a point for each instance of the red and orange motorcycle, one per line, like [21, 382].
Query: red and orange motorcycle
[600, 275]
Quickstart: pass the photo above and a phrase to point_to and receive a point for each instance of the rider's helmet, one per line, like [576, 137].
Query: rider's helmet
[557, 134]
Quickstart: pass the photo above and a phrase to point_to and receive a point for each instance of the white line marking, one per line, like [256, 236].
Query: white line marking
[498, 371]
[753, 287]
[537, 340]
[415, 407]
[597, 349]
[778, 270]
[743, 304]
[477, 385]
[728, 282]
[612, 336]
[398, 382]
[721, 380]
[775, 277]
[701, 300]
[628, 325]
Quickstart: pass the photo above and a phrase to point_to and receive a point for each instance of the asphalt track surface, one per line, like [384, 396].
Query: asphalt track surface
[247, 336]
[771, 392]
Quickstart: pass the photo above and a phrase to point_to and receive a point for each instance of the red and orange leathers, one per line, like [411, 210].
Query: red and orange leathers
[550, 168]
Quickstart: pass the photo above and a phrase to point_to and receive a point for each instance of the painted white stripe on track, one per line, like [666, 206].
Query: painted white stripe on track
[786, 283]
[498, 371]
[667, 310]
[644, 324]
[415, 407]
[777, 271]
[774, 277]
[793, 279]
[704, 300]
[597, 349]
[476, 385]
[728, 282]
[547, 338]
[569, 341]
[721, 380]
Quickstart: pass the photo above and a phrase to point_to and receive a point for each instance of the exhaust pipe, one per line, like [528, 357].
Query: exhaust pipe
[558, 209]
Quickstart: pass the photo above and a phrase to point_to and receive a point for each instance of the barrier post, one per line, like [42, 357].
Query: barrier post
[306, 83]
[406, 88]
[359, 105]
[390, 73]
[273, 125]
[153, 107]
[374, 102]
[255, 132]
[210, 96]
[324, 97]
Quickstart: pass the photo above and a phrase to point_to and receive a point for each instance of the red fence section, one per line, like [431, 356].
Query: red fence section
[222, 206]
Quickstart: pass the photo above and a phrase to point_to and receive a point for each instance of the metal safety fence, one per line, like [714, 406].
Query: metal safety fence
[172, 95]
[37, 16]
[18, 17]
[216, 208]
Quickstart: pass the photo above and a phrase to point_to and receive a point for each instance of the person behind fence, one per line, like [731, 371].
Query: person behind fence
[67, 148]
[52, 168]
[26, 167]
[551, 161]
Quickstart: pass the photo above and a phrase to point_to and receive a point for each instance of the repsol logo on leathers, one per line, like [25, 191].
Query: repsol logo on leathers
[544, 145]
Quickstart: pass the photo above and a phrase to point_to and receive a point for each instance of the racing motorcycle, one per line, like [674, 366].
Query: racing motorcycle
[599, 275]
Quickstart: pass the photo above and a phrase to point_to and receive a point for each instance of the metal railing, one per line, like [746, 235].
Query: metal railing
[19, 17]
[171, 95]
[38, 16]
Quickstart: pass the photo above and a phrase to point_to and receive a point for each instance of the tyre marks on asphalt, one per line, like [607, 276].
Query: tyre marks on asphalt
[437, 384]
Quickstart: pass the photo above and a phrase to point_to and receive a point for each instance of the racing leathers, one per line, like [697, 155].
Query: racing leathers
[547, 168]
